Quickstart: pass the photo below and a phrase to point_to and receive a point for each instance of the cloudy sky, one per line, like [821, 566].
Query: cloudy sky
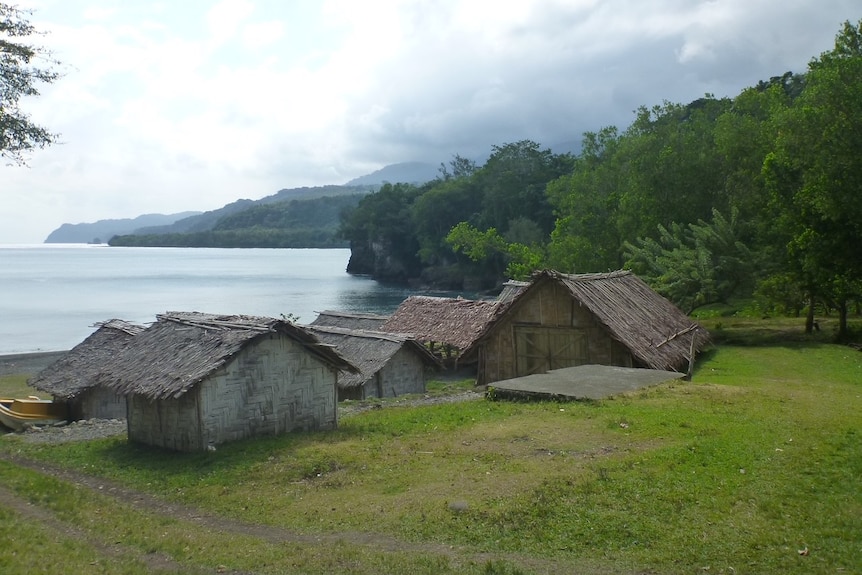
[171, 106]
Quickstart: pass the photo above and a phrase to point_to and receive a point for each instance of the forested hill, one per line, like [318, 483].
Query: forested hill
[103, 230]
[296, 218]
[755, 197]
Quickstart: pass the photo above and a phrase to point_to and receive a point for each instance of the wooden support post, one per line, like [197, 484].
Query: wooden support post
[691, 356]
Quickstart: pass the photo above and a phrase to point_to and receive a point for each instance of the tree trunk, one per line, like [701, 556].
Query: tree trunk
[809, 319]
[842, 319]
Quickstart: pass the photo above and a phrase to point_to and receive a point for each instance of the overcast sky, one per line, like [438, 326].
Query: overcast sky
[166, 106]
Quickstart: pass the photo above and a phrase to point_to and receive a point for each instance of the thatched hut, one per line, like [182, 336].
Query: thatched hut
[564, 320]
[348, 320]
[195, 380]
[73, 379]
[449, 325]
[389, 364]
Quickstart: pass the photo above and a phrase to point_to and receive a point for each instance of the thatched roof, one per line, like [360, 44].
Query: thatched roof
[78, 370]
[653, 329]
[453, 321]
[347, 320]
[511, 289]
[182, 349]
[369, 351]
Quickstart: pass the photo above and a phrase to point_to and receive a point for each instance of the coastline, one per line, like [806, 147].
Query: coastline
[28, 363]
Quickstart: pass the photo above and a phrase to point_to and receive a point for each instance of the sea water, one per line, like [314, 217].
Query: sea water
[52, 295]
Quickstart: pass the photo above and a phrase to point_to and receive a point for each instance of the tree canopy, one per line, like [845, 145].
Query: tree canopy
[753, 197]
[23, 66]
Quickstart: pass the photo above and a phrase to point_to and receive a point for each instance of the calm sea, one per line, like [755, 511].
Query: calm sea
[51, 295]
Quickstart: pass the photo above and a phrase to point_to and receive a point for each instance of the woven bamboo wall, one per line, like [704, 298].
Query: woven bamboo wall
[404, 373]
[169, 423]
[271, 387]
[98, 403]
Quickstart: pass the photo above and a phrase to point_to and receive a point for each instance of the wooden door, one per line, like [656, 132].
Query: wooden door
[540, 349]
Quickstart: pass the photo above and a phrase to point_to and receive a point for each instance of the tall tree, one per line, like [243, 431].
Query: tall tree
[815, 175]
[19, 76]
[513, 181]
[586, 203]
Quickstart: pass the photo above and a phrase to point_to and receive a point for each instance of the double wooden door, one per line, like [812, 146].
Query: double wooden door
[540, 349]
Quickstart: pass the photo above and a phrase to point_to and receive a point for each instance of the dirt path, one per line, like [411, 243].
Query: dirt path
[155, 562]
[160, 563]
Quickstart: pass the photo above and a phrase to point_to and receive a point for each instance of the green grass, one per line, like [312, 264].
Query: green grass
[15, 386]
[758, 458]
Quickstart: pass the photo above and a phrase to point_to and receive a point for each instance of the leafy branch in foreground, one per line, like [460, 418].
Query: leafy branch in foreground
[519, 260]
[18, 78]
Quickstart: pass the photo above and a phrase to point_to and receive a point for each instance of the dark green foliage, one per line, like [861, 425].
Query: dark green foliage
[782, 157]
[309, 223]
[19, 77]
[696, 265]
[381, 224]
[814, 177]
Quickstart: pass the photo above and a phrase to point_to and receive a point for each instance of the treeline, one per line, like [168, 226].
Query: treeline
[757, 195]
[311, 223]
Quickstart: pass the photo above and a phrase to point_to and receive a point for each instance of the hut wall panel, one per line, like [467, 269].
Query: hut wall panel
[99, 403]
[273, 386]
[169, 423]
[404, 373]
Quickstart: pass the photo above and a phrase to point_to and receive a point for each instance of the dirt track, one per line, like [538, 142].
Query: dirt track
[156, 562]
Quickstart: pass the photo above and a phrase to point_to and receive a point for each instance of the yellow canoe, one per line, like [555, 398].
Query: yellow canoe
[16, 414]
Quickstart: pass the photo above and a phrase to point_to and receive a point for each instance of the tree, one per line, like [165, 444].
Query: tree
[513, 181]
[19, 77]
[694, 265]
[586, 203]
[500, 257]
[814, 176]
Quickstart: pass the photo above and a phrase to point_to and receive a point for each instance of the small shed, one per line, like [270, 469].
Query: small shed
[447, 325]
[195, 380]
[389, 364]
[73, 378]
[562, 320]
[348, 320]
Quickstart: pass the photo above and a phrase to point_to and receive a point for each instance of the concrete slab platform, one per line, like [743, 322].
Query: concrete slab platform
[584, 382]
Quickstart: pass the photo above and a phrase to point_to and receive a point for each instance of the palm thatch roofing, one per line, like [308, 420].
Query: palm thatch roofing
[181, 349]
[453, 321]
[511, 289]
[78, 370]
[654, 330]
[369, 351]
[347, 320]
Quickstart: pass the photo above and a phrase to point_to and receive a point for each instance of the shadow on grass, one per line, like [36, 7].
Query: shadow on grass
[233, 459]
[750, 332]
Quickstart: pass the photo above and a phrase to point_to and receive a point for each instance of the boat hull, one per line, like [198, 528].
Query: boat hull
[18, 414]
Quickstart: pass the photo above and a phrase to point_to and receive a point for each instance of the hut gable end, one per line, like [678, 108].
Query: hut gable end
[389, 364]
[561, 320]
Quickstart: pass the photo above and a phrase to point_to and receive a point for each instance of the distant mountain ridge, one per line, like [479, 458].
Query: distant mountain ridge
[191, 222]
[405, 172]
[103, 230]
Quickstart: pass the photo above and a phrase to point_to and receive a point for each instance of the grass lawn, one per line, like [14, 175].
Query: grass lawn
[753, 467]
